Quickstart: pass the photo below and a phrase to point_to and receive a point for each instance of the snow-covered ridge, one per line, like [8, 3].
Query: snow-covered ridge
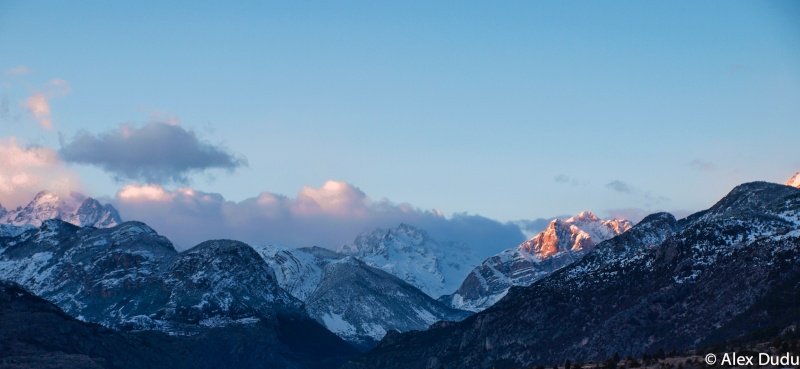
[437, 268]
[562, 243]
[358, 302]
[76, 209]
[129, 277]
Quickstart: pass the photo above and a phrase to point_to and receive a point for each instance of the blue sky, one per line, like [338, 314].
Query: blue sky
[510, 110]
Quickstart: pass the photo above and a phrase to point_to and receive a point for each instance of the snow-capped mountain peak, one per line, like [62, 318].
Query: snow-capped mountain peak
[563, 242]
[576, 233]
[76, 209]
[412, 255]
[345, 294]
[794, 181]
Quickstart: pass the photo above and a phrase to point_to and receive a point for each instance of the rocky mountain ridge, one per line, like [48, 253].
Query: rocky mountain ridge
[561, 243]
[76, 209]
[129, 277]
[358, 302]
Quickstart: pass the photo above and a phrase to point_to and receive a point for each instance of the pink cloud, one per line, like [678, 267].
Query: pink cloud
[329, 216]
[136, 193]
[339, 198]
[38, 106]
[24, 171]
[38, 103]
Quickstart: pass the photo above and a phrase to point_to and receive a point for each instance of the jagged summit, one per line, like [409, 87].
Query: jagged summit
[579, 232]
[563, 242]
[794, 181]
[76, 208]
[376, 242]
[583, 216]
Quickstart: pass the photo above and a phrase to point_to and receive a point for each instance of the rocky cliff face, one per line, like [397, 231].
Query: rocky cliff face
[663, 284]
[562, 243]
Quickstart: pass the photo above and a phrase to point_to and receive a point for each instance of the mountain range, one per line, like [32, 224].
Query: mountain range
[582, 289]
[130, 278]
[718, 275]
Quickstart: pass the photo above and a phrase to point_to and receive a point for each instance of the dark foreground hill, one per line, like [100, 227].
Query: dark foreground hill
[37, 334]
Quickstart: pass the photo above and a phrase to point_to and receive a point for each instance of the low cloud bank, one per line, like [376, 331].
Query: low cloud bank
[328, 216]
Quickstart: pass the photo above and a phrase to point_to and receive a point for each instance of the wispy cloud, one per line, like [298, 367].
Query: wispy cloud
[329, 216]
[567, 180]
[158, 153]
[38, 103]
[18, 71]
[158, 116]
[703, 165]
[645, 198]
[620, 186]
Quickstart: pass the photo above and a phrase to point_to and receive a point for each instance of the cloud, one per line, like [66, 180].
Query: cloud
[703, 165]
[329, 216]
[38, 106]
[146, 193]
[157, 153]
[38, 103]
[645, 198]
[24, 171]
[159, 116]
[565, 179]
[620, 186]
[18, 71]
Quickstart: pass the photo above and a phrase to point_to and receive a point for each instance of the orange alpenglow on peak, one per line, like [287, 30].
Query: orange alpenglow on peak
[794, 181]
[579, 232]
